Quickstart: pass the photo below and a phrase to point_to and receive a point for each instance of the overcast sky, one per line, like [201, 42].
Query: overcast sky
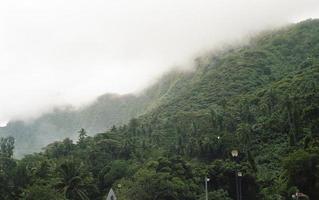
[56, 52]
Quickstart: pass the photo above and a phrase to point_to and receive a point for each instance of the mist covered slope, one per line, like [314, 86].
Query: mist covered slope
[261, 99]
[101, 115]
[106, 111]
[221, 77]
[218, 78]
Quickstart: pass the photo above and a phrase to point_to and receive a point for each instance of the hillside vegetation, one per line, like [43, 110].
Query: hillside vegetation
[106, 111]
[261, 99]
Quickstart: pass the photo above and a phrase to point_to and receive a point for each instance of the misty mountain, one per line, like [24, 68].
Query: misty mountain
[106, 111]
[225, 77]
[261, 99]
[217, 78]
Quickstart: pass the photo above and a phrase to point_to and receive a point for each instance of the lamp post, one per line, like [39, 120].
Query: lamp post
[239, 175]
[206, 191]
[234, 154]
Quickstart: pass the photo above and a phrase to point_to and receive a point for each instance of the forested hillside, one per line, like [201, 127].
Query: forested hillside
[261, 99]
[106, 111]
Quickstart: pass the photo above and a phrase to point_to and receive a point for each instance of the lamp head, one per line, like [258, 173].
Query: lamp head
[234, 153]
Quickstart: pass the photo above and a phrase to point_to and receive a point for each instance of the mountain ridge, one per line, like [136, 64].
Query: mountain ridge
[112, 109]
[261, 99]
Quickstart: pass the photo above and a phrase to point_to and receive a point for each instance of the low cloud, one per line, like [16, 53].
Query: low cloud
[68, 52]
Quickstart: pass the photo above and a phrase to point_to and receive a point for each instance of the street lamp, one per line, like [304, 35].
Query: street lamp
[206, 192]
[238, 175]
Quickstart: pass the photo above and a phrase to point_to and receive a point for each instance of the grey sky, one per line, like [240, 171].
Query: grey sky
[68, 52]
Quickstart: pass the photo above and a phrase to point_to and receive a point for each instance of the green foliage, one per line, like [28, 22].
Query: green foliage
[302, 170]
[261, 99]
[164, 179]
[42, 192]
[217, 195]
[6, 147]
[106, 111]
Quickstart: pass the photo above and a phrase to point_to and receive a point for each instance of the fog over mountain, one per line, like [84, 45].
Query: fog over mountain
[54, 53]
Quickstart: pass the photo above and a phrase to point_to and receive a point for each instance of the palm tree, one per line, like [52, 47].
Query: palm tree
[71, 182]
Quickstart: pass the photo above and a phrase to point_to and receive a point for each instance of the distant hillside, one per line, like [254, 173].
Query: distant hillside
[106, 111]
[101, 115]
